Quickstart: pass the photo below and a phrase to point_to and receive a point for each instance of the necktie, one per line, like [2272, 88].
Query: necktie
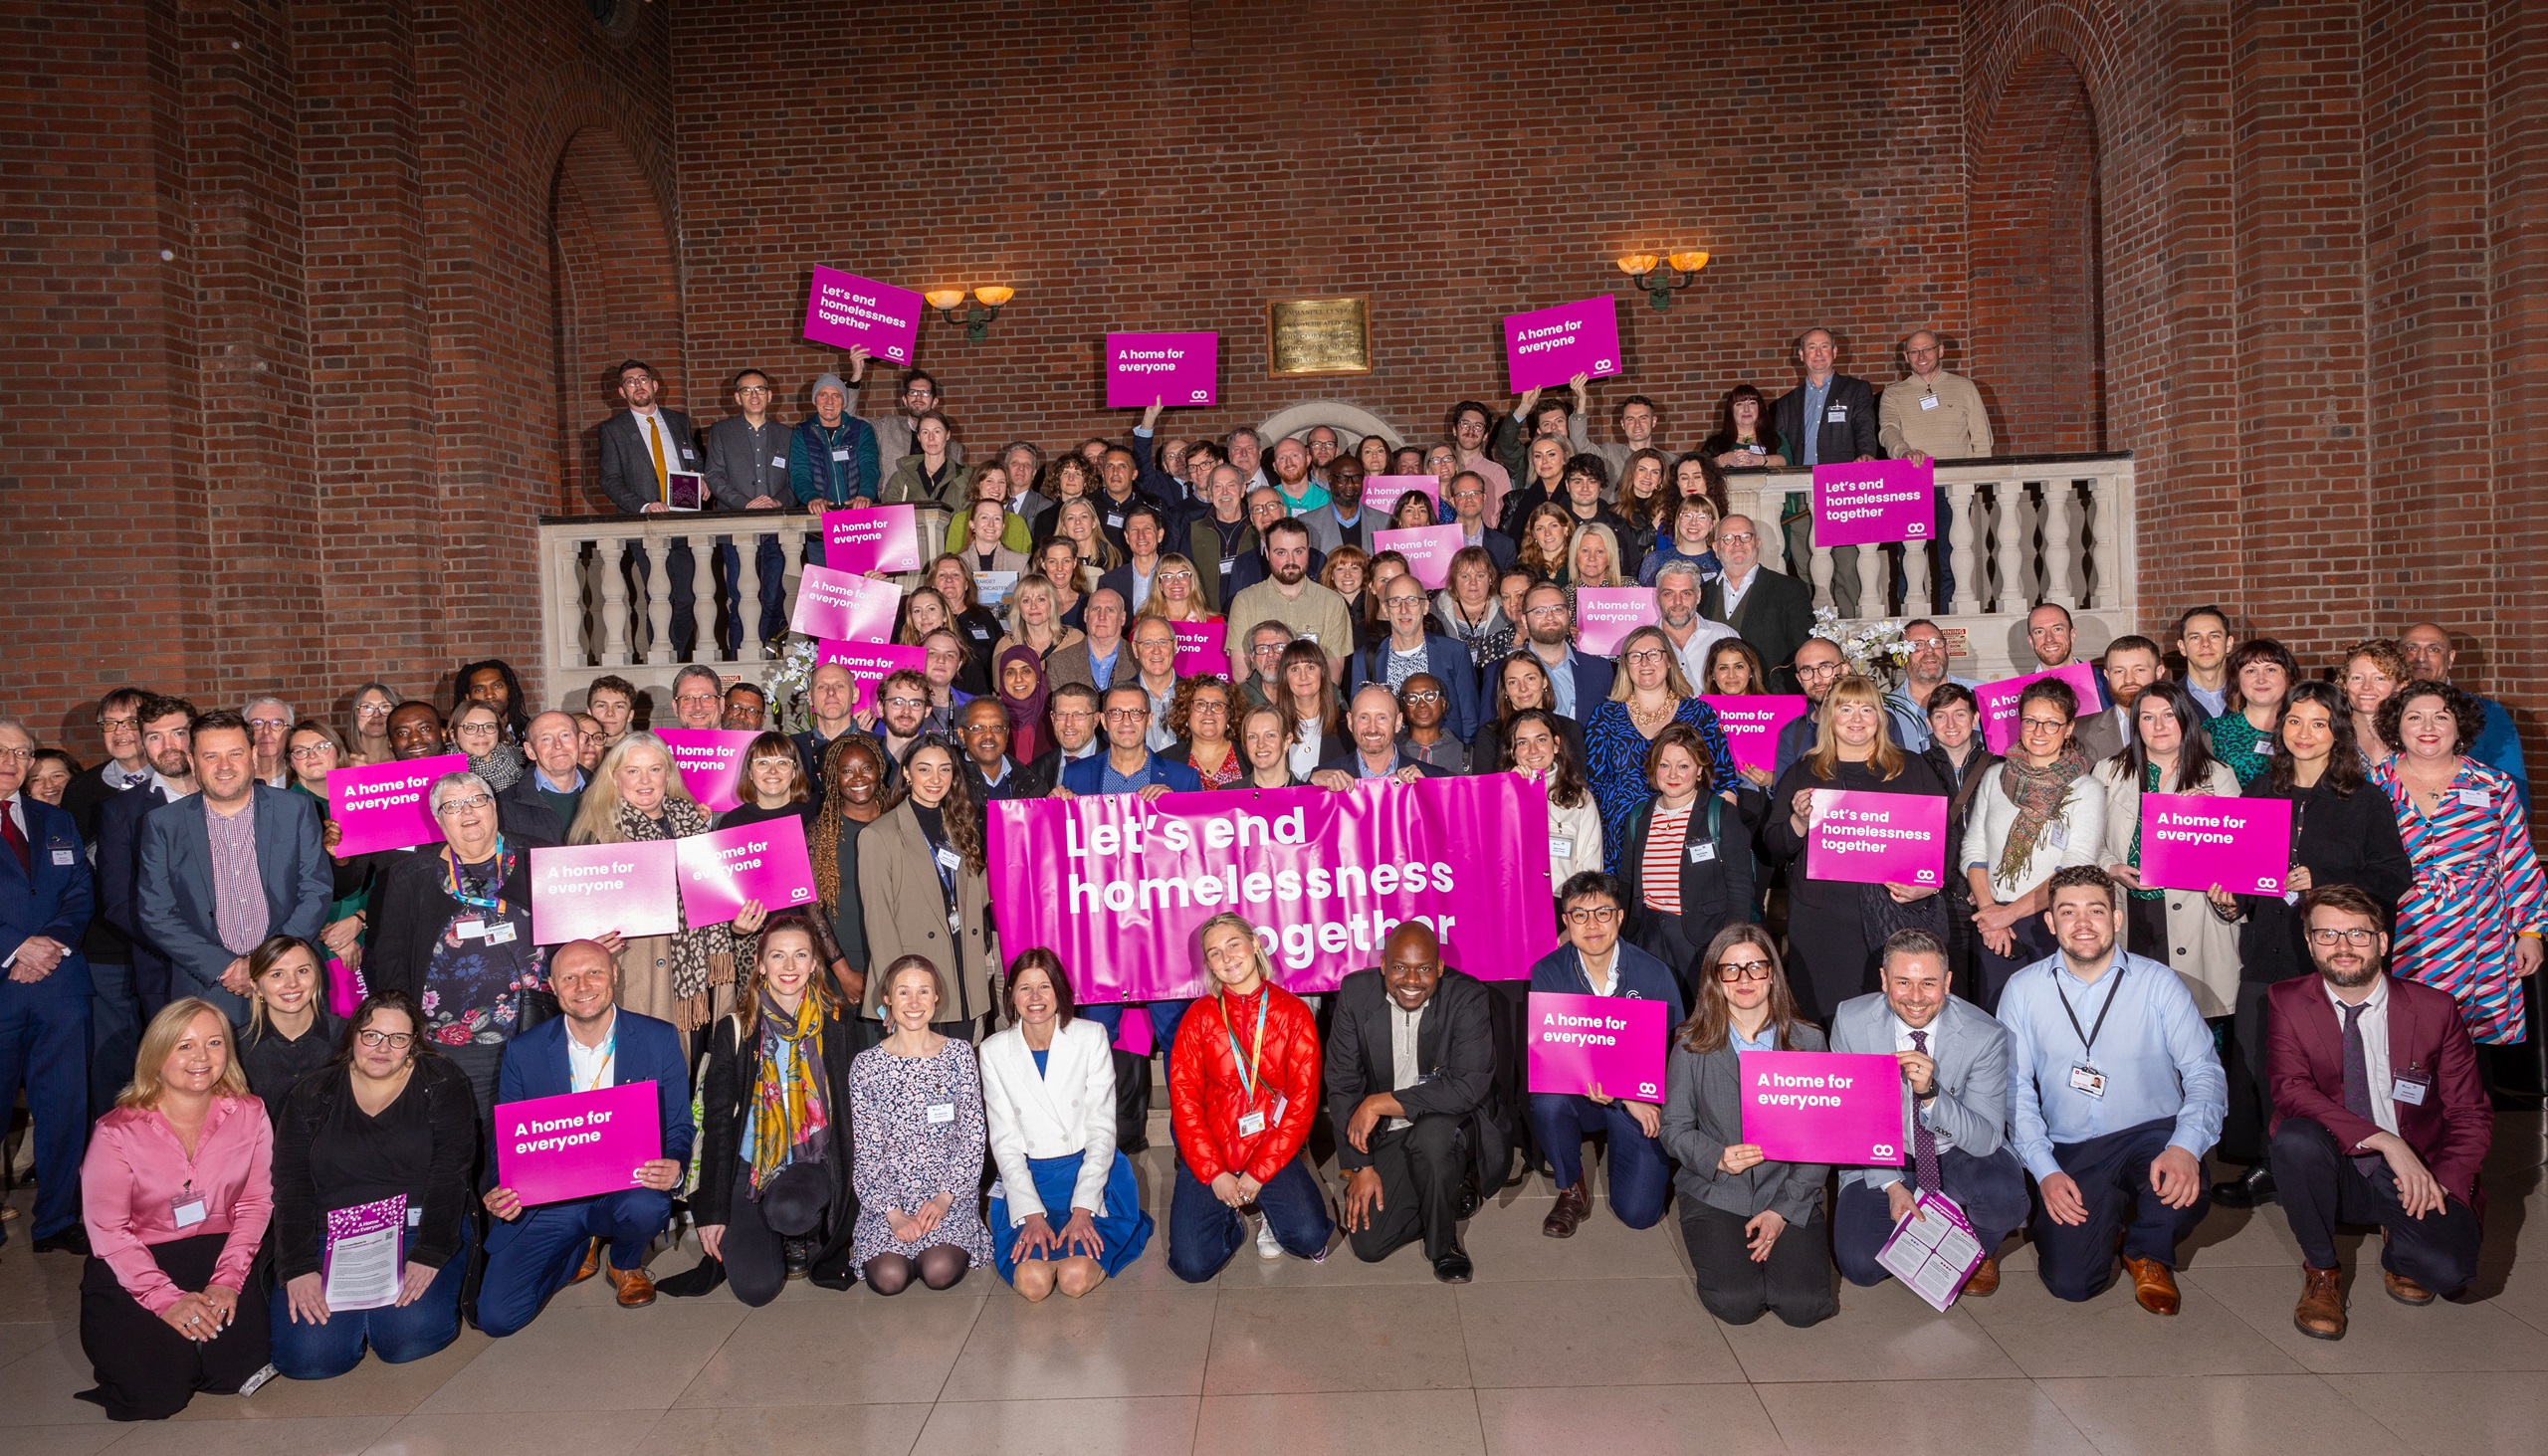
[1924, 1144]
[655, 440]
[2358, 1082]
[16, 837]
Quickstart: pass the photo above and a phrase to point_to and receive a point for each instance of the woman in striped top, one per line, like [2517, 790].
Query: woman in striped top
[1687, 862]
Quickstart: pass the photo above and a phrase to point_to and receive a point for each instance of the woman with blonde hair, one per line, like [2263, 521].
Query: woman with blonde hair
[687, 977]
[2373, 673]
[916, 1107]
[1035, 620]
[1593, 559]
[1177, 591]
[1079, 523]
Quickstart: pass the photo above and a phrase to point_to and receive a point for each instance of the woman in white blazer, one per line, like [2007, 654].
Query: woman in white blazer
[2169, 754]
[1066, 1211]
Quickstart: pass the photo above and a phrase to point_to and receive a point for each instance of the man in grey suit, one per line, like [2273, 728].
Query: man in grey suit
[225, 868]
[642, 448]
[1955, 1059]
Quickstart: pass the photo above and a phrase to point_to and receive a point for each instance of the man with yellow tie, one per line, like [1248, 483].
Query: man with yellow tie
[642, 447]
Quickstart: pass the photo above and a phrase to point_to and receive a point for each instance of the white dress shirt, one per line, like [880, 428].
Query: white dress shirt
[1902, 1043]
[591, 1068]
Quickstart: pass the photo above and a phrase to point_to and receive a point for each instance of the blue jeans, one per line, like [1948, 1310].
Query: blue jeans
[44, 1046]
[535, 1255]
[1640, 1177]
[1165, 1017]
[396, 1334]
[1204, 1232]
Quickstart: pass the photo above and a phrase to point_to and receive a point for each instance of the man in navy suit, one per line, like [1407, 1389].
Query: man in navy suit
[228, 867]
[167, 726]
[1577, 680]
[531, 1253]
[44, 900]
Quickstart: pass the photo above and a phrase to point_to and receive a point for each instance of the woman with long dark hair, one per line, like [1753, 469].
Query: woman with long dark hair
[920, 880]
[2175, 928]
[1536, 748]
[1515, 684]
[1744, 439]
[1687, 863]
[1313, 716]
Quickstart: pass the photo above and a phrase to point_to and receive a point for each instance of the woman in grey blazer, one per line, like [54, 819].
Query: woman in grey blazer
[1755, 1229]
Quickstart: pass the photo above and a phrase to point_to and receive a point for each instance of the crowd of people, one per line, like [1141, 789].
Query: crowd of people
[230, 1031]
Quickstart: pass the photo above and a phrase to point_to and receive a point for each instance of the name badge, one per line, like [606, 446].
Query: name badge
[981, 633]
[2088, 1080]
[1759, 449]
[689, 454]
[1928, 401]
[951, 860]
[1114, 521]
[188, 1209]
[941, 1112]
[1309, 637]
[2410, 1088]
[501, 933]
[779, 460]
[1226, 565]
[2475, 798]
[1702, 852]
[2054, 836]
[470, 930]
[1562, 846]
[66, 857]
[841, 455]
[1251, 1125]
[1837, 414]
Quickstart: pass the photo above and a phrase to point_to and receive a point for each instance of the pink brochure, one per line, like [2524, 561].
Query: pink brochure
[1933, 1249]
[1550, 347]
[1999, 700]
[1173, 369]
[1428, 550]
[711, 761]
[1842, 1108]
[764, 862]
[1605, 615]
[1868, 838]
[869, 664]
[383, 805]
[871, 538]
[1871, 502]
[553, 1149]
[834, 603]
[845, 311]
[582, 891]
[1617, 1043]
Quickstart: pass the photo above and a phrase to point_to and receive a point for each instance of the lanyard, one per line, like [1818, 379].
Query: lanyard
[459, 888]
[601, 1073]
[2088, 1038]
[1248, 1070]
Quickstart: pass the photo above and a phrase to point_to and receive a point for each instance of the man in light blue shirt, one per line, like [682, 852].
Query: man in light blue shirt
[2115, 1094]
[1908, 703]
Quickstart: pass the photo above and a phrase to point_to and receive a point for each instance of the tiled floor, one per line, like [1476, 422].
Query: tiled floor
[1596, 1345]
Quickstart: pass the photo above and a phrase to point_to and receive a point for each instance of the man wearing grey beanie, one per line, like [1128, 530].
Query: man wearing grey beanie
[833, 462]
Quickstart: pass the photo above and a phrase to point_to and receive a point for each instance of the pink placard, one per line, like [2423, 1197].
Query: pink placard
[764, 862]
[1868, 838]
[711, 761]
[383, 805]
[1202, 647]
[845, 311]
[872, 538]
[553, 1149]
[1615, 1043]
[1549, 347]
[1171, 368]
[1428, 550]
[2197, 841]
[1999, 700]
[1381, 494]
[1605, 615]
[582, 891]
[1842, 1108]
[870, 664]
[843, 604]
[1752, 722]
[1870, 502]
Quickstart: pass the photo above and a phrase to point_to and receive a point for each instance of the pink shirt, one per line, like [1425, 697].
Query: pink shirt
[134, 1172]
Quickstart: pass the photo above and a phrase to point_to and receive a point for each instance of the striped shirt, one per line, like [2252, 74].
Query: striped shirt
[1661, 869]
[238, 890]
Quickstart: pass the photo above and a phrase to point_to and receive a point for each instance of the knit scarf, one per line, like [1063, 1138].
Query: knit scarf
[502, 766]
[702, 958]
[2037, 793]
[788, 1112]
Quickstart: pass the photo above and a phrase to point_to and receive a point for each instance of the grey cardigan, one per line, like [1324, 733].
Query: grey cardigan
[1703, 1115]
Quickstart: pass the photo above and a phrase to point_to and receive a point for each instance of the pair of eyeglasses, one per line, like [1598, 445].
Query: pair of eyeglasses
[474, 801]
[1649, 654]
[396, 1041]
[1427, 696]
[1741, 970]
[2353, 937]
[1589, 916]
[124, 724]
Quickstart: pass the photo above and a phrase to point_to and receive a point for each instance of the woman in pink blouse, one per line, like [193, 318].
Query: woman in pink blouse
[178, 1185]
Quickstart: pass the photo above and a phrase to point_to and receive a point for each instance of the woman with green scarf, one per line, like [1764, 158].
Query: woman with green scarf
[2035, 812]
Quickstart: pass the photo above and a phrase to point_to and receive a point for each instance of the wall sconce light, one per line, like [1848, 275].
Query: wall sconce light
[976, 320]
[1647, 270]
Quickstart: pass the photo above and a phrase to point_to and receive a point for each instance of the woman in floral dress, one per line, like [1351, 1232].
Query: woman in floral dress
[915, 1119]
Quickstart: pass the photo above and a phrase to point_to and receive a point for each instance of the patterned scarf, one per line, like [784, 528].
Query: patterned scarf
[703, 959]
[787, 1112]
[502, 766]
[2037, 793]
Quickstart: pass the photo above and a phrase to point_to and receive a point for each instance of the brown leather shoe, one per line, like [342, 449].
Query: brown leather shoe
[591, 1265]
[636, 1287]
[2405, 1290]
[1574, 1205]
[1986, 1278]
[2320, 1315]
[2154, 1284]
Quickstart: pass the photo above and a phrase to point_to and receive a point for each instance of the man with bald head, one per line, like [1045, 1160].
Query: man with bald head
[1410, 1089]
[2431, 654]
[1819, 667]
[1373, 749]
[555, 786]
[1830, 418]
[1218, 534]
[1932, 414]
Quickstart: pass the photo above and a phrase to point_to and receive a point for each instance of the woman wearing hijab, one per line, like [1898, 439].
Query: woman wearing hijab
[1018, 677]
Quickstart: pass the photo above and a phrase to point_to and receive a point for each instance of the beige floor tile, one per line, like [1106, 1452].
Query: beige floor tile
[1610, 1331]
[1378, 1338]
[853, 1348]
[2520, 1145]
[34, 1388]
[2523, 1294]
[2112, 1334]
[1397, 1423]
[1114, 1343]
[607, 1432]
[1153, 1426]
[370, 1388]
[290, 1436]
[591, 1360]
[1508, 1247]
[38, 1289]
[788, 1430]
[2241, 1239]
[63, 1440]
[1946, 1416]
[1884, 1333]
[28, 1335]
[2382, 1335]
[2455, 1415]
[1631, 1420]
[2235, 1415]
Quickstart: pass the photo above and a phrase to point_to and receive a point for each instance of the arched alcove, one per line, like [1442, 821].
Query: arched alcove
[2037, 336]
[1350, 422]
[617, 296]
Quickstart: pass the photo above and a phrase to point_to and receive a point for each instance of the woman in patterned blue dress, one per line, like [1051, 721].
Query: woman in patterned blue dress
[915, 1119]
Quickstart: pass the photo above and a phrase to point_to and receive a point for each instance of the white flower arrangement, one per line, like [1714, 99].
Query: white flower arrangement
[786, 684]
[1875, 650]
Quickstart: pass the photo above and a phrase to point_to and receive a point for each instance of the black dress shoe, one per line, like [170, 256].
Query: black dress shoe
[2251, 1190]
[1452, 1267]
[72, 1240]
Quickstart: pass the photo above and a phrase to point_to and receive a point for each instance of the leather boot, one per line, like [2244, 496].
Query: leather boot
[1574, 1205]
[2320, 1315]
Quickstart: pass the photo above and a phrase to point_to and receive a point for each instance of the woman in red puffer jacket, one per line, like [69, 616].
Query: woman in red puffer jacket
[1244, 1082]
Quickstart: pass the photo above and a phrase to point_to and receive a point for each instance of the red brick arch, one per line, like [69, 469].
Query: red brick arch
[618, 294]
[2034, 216]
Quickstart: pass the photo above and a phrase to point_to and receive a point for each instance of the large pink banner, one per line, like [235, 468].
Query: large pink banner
[1170, 368]
[869, 664]
[1841, 1108]
[2197, 841]
[871, 538]
[383, 805]
[1605, 615]
[1999, 700]
[835, 603]
[1119, 886]
[1549, 347]
[583, 891]
[553, 1149]
[711, 761]
[1428, 550]
[1380, 495]
[722, 868]
[1202, 647]
[845, 311]
[1752, 722]
[1615, 1043]
[1871, 502]
[1869, 838]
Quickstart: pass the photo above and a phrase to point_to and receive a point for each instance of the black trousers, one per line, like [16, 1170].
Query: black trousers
[149, 1371]
[2242, 1129]
[1511, 1011]
[1423, 1168]
[2113, 1174]
[1793, 1283]
[1666, 937]
[2034, 942]
[2320, 1187]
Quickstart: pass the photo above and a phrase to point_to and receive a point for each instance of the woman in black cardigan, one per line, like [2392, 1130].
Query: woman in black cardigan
[389, 1118]
[1714, 886]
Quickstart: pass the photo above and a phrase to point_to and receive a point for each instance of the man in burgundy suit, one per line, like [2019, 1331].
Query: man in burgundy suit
[2378, 1115]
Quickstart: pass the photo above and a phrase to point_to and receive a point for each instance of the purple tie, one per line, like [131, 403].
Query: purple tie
[1924, 1144]
[2357, 1083]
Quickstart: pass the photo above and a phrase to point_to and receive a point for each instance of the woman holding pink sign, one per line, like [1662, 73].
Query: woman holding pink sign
[2033, 812]
[687, 977]
[2175, 928]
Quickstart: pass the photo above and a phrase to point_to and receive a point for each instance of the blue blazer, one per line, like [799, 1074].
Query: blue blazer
[1592, 678]
[53, 899]
[1088, 775]
[1642, 977]
[119, 875]
[1449, 664]
[649, 1051]
[177, 908]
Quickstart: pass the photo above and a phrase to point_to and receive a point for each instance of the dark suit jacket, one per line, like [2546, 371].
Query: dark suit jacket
[1454, 1052]
[649, 1051]
[1840, 443]
[1445, 659]
[118, 898]
[628, 466]
[2305, 1073]
[521, 813]
[1342, 753]
[1498, 546]
[49, 895]
[176, 894]
[1592, 679]
[1088, 775]
[1776, 617]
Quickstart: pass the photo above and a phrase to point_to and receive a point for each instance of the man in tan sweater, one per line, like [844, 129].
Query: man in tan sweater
[1933, 415]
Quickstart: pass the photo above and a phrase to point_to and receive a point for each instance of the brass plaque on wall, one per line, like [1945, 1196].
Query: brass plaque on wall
[1318, 336]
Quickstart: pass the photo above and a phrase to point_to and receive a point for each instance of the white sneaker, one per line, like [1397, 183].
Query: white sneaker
[1267, 1246]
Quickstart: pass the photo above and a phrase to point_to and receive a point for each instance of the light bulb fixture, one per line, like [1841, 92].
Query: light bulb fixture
[977, 319]
[1653, 274]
